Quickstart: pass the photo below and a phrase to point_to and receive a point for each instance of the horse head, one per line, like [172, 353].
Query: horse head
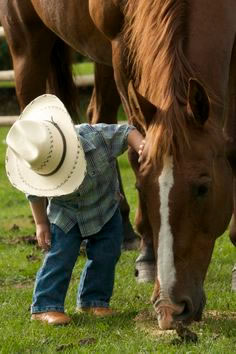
[185, 195]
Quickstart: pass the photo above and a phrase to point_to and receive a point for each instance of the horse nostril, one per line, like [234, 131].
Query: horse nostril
[187, 310]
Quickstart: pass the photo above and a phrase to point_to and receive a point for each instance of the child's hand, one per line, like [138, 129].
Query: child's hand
[140, 151]
[43, 235]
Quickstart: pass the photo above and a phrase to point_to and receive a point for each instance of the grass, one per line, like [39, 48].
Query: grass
[85, 68]
[123, 333]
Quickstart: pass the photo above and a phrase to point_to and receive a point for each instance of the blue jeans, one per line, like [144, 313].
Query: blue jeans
[97, 280]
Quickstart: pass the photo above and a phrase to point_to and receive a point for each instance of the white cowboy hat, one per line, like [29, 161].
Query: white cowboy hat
[44, 155]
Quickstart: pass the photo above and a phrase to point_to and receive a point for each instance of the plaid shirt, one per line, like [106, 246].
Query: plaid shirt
[97, 198]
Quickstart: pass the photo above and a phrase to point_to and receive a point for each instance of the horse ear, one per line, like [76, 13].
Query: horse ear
[143, 111]
[198, 101]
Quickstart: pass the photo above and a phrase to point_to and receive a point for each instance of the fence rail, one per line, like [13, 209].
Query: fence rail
[8, 75]
[80, 80]
[2, 34]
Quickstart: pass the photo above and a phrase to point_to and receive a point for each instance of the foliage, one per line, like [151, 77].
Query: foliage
[124, 333]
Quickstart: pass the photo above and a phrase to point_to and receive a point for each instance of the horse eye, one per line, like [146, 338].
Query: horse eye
[201, 190]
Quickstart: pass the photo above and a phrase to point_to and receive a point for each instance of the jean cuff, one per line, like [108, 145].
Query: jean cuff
[37, 309]
[97, 303]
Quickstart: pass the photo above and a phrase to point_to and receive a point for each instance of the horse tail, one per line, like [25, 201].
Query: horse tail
[60, 79]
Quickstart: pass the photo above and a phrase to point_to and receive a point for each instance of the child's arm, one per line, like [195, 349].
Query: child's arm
[41, 222]
[136, 141]
[119, 136]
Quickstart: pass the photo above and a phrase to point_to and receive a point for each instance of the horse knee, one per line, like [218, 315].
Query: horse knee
[145, 267]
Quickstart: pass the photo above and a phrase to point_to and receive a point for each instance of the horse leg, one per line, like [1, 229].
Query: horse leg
[103, 107]
[41, 60]
[145, 267]
[105, 100]
[30, 62]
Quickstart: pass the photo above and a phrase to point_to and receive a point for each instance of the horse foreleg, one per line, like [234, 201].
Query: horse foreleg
[29, 47]
[145, 267]
[30, 61]
[105, 100]
[103, 108]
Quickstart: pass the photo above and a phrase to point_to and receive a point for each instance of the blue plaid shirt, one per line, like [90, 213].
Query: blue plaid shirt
[97, 198]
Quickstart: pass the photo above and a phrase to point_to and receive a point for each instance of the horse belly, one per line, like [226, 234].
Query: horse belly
[71, 21]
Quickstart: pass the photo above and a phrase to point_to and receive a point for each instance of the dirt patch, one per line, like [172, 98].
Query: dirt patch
[219, 315]
[147, 322]
[28, 239]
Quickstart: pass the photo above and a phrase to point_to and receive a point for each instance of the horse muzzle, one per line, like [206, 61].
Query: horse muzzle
[169, 314]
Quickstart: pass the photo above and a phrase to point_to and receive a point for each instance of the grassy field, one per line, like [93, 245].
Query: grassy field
[134, 329]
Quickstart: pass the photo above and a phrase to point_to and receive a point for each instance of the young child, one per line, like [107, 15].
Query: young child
[74, 167]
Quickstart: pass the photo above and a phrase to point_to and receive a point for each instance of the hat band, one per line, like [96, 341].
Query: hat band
[63, 152]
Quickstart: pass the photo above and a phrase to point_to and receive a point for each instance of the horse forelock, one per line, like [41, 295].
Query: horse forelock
[154, 32]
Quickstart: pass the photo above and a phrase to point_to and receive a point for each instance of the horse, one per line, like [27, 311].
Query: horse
[175, 75]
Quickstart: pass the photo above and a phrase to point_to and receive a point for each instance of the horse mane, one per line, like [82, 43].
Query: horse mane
[155, 33]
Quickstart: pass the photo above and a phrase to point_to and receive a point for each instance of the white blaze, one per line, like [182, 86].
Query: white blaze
[165, 256]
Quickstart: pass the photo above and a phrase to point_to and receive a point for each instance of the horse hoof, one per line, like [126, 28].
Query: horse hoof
[145, 272]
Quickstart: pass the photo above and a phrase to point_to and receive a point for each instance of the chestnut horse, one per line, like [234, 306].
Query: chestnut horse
[175, 75]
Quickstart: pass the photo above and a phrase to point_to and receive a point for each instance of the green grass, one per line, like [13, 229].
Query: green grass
[85, 68]
[19, 262]
[7, 84]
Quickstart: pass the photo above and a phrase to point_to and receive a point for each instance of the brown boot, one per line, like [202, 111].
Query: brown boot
[52, 318]
[97, 311]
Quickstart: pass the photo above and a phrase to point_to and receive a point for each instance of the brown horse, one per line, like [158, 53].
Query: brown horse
[162, 51]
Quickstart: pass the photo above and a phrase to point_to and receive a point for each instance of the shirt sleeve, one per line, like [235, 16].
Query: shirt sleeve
[115, 136]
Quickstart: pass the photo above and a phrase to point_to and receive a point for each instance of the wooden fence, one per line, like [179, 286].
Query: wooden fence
[8, 75]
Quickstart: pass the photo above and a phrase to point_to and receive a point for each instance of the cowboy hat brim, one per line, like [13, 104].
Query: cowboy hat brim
[70, 175]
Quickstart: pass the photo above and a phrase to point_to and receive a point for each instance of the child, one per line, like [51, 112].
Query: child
[74, 167]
